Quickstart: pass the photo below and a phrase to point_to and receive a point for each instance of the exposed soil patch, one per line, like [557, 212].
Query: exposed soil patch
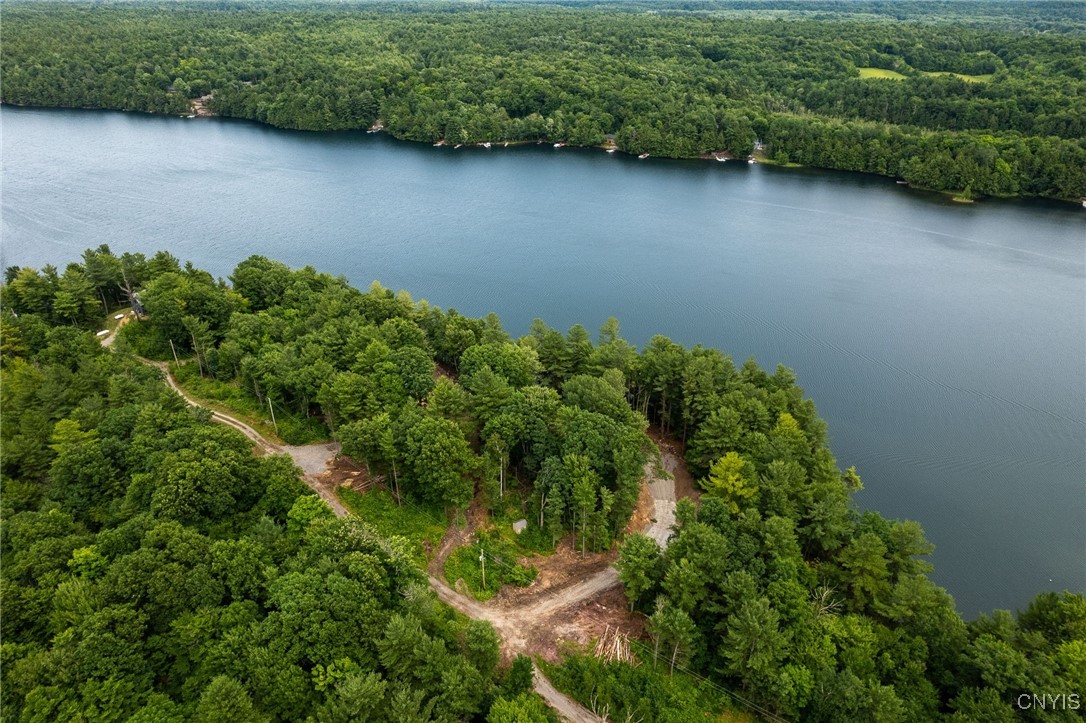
[200, 106]
[557, 570]
[457, 536]
[317, 462]
[673, 458]
[583, 622]
[643, 514]
[312, 459]
[444, 370]
[344, 470]
[572, 599]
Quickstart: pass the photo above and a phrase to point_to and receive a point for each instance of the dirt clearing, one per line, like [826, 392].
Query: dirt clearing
[673, 459]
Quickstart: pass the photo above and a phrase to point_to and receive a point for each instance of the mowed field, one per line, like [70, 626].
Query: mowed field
[880, 73]
[894, 75]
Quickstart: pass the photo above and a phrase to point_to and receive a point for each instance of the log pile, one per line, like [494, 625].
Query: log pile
[613, 646]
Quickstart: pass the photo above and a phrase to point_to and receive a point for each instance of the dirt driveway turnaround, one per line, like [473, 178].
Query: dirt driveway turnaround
[535, 620]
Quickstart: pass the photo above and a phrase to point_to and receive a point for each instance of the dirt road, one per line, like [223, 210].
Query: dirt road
[565, 707]
[569, 610]
[532, 620]
[517, 628]
[312, 459]
[662, 489]
[510, 624]
[575, 607]
[108, 340]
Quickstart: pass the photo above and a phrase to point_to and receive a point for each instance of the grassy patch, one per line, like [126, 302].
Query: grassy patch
[961, 76]
[379, 509]
[780, 159]
[501, 567]
[111, 323]
[894, 75]
[223, 397]
[880, 73]
[515, 506]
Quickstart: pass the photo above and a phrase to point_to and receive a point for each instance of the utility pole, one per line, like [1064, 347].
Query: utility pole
[272, 415]
[196, 349]
[482, 563]
[175, 355]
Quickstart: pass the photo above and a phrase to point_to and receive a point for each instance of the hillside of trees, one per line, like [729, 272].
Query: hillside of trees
[989, 98]
[155, 569]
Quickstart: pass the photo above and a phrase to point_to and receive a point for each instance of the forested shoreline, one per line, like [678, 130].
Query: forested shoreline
[155, 569]
[979, 99]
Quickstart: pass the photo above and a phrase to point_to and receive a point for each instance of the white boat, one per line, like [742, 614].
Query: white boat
[643, 156]
[103, 332]
[458, 145]
[903, 183]
[439, 143]
[559, 145]
[486, 145]
[119, 316]
[611, 150]
[751, 161]
[721, 159]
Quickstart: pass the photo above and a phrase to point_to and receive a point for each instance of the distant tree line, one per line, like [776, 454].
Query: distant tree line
[672, 81]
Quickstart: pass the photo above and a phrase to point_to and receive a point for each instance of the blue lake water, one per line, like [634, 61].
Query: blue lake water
[944, 344]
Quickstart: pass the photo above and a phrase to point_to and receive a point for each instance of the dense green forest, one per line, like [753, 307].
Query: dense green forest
[155, 569]
[976, 97]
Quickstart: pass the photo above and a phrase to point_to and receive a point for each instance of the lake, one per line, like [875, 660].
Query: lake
[945, 344]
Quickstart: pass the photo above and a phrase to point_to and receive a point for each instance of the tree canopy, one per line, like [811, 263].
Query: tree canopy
[154, 568]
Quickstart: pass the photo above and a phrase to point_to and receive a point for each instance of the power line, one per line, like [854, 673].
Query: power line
[735, 696]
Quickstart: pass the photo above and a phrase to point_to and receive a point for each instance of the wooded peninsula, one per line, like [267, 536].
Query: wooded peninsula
[156, 569]
[978, 98]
